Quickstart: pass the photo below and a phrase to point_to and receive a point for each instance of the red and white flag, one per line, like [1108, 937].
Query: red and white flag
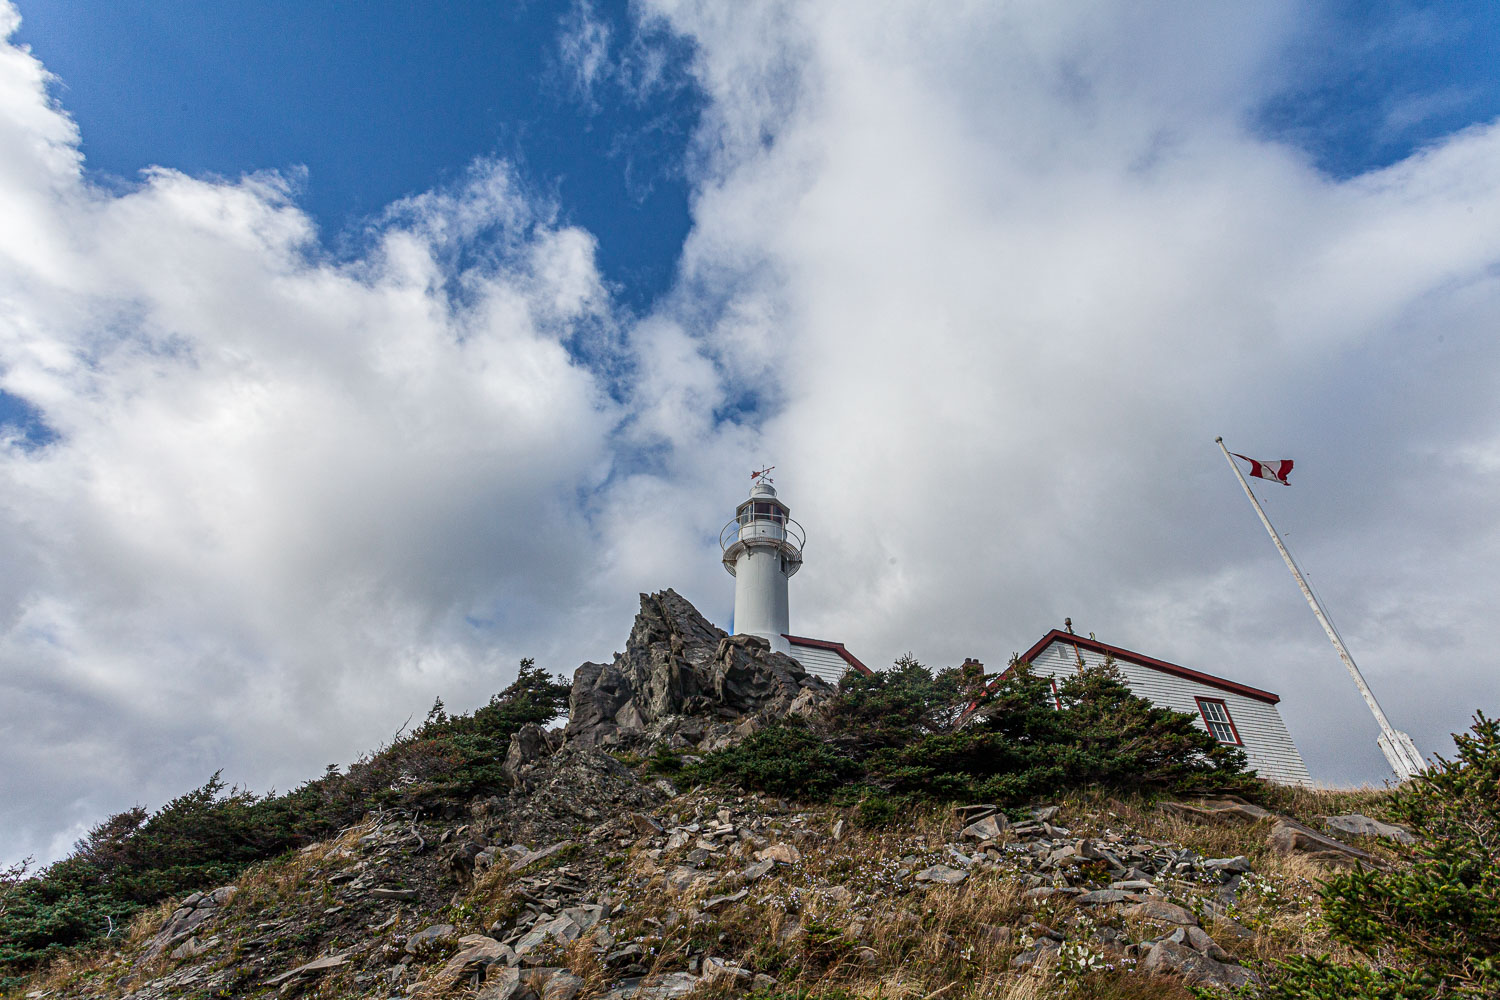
[1274, 471]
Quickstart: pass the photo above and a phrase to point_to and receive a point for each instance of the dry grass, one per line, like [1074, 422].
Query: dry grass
[147, 922]
[861, 936]
[579, 959]
[491, 897]
[1307, 804]
[262, 886]
[63, 976]
[881, 942]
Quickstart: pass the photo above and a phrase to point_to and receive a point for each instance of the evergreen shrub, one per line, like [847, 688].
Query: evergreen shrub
[1431, 928]
[889, 740]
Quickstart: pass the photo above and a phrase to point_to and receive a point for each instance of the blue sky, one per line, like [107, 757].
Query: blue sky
[1370, 82]
[378, 101]
[373, 348]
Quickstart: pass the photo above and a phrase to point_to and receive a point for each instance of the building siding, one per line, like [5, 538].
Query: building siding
[1269, 747]
[823, 663]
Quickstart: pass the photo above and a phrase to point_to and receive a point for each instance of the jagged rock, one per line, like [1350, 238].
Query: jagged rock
[528, 745]
[563, 986]
[190, 916]
[504, 984]
[1100, 897]
[783, 854]
[316, 965]
[1239, 863]
[1290, 837]
[477, 953]
[676, 663]
[1363, 826]
[427, 936]
[1194, 966]
[666, 986]
[942, 875]
[988, 828]
[1162, 911]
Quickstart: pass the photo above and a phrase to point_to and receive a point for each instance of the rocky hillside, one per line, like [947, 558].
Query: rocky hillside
[591, 875]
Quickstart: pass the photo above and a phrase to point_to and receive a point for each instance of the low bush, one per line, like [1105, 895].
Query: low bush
[786, 759]
[1431, 928]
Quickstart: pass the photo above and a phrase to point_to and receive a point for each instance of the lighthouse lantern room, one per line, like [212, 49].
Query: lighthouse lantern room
[762, 549]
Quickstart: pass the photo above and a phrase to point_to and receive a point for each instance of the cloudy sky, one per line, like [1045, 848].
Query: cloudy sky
[348, 357]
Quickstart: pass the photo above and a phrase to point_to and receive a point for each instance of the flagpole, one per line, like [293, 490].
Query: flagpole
[1400, 752]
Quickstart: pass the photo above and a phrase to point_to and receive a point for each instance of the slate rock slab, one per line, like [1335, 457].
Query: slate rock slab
[1290, 837]
[1361, 825]
[1197, 968]
[941, 875]
[1162, 911]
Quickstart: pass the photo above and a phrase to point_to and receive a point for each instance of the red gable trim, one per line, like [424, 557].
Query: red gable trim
[1083, 642]
[836, 647]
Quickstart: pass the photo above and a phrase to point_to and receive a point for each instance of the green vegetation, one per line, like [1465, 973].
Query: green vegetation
[887, 740]
[784, 759]
[206, 837]
[1431, 928]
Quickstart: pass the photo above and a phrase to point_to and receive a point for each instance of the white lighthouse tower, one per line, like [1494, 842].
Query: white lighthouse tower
[762, 549]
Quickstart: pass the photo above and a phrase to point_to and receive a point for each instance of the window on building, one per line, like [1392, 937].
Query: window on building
[1216, 718]
[763, 512]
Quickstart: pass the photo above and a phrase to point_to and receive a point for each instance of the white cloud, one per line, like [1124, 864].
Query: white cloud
[983, 284]
[583, 44]
[1024, 266]
[285, 488]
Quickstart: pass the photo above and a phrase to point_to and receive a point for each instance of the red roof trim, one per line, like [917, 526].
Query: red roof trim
[1083, 642]
[835, 647]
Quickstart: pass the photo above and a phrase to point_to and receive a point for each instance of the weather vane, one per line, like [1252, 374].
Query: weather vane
[764, 474]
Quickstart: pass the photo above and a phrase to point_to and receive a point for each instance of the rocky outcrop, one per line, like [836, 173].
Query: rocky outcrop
[1286, 835]
[678, 668]
[179, 933]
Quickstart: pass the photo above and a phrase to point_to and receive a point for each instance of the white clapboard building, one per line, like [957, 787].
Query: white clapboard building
[1234, 713]
[823, 658]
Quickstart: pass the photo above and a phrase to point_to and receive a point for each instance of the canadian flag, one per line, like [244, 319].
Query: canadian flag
[1274, 471]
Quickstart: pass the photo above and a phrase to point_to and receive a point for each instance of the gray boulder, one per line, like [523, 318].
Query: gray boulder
[1363, 826]
[1177, 959]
